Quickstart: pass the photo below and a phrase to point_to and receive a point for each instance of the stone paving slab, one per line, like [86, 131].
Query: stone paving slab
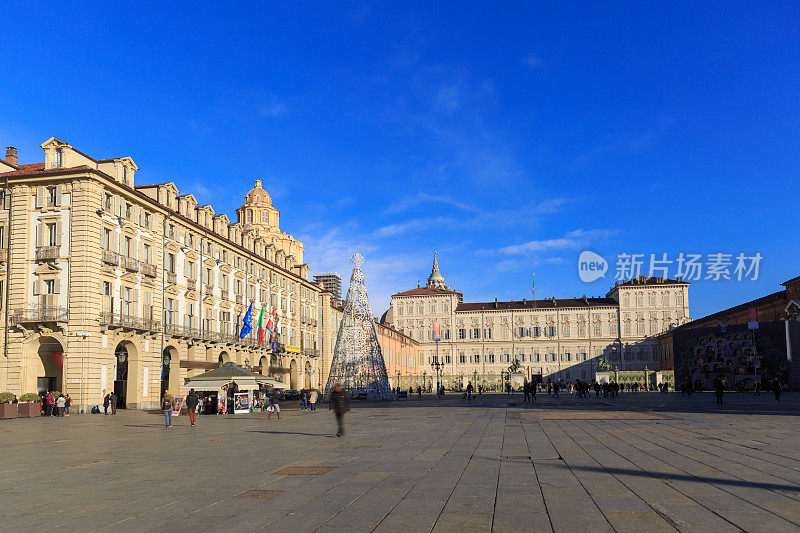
[645, 462]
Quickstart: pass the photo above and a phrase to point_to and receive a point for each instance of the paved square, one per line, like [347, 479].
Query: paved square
[645, 462]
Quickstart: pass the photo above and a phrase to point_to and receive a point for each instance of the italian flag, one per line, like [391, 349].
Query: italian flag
[261, 326]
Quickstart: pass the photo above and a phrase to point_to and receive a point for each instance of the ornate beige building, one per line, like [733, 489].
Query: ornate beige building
[555, 338]
[107, 285]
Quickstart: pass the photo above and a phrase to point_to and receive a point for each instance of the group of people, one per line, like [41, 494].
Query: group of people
[339, 403]
[110, 400]
[56, 404]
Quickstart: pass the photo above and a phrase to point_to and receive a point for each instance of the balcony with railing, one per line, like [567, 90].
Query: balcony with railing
[47, 253]
[223, 294]
[191, 284]
[239, 298]
[111, 258]
[129, 321]
[148, 270]
[310, 352]
[209, 290]
[171, 277]
[130, 264]
[38, 313]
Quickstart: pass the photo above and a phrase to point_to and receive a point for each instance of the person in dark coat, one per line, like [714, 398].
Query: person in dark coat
[339, 403]
[192, 399]
[114, 399]
[719, 390]
[106, 403]
[776, 388]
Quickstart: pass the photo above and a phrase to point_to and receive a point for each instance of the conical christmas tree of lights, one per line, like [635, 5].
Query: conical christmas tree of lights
[357, 359]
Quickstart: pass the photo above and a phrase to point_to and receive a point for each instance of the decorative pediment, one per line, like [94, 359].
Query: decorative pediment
[47, 268]
[147, 282]
[239, 308]
[52, 219]
[172, 290]
[225, 305]
[133, 279]
[209, 300]
[192, 256]
[210, 263]
[129, 230]
[191, 295]
[173, 247]
[225, 268]
[239, 275]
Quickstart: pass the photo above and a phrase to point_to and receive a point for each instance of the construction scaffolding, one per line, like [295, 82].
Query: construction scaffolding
[357, 359]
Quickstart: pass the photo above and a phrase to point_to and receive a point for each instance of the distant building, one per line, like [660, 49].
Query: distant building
[331, 282]
[553, 338]
[754, 341]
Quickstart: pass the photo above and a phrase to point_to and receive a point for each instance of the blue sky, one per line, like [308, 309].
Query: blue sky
[508, 137]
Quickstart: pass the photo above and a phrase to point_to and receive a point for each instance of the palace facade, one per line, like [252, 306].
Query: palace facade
[552, 338]
[112, 286]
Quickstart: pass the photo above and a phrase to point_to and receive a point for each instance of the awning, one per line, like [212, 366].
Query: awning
[244, 384]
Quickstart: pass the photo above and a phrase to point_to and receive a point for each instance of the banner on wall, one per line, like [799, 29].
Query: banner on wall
[178, 404]
[222, 397]
[241, 403]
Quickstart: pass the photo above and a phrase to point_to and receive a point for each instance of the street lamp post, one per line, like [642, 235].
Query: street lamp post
[436, 366]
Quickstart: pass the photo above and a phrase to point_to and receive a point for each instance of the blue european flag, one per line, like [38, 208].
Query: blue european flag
[247, 322]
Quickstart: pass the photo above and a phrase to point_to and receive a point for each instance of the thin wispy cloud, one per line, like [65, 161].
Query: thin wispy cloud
[533, 62]
[408, 202]
[412, 225]
[570, 241]
[625, 143]
[273, 108]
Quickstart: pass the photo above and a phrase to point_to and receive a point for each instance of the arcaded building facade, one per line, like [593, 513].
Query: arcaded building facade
[112, 286]
[556, 338]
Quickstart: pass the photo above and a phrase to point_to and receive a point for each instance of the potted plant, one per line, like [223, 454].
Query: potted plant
[7, 409]
[30, 405]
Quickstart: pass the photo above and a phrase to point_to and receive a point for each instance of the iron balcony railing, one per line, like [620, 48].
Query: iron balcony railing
[39, 313]
[310, 352]
[47, 253]
[112, 258]
[129, 321]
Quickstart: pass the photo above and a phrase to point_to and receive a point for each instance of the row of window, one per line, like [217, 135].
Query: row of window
[653, 299]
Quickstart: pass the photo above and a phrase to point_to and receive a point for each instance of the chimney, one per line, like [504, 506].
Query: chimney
[11, 155]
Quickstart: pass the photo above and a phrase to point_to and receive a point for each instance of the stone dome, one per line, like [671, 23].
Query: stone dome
[257, 195]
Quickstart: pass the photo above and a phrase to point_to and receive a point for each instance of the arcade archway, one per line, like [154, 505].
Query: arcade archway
[49, 365]
[170, 370]
[307, 383]
[126, 370]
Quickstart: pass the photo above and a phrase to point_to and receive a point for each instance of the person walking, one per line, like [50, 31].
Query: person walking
[274, 403]
[339, 404]
[106, 403]
[167, 405]
[776, 388]
[312, 399]
[114, 399]
[192, 399]
[719, 390]
[556, 386]
[419, 391]
[757, 389]
[69, 402]
[470, 388]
